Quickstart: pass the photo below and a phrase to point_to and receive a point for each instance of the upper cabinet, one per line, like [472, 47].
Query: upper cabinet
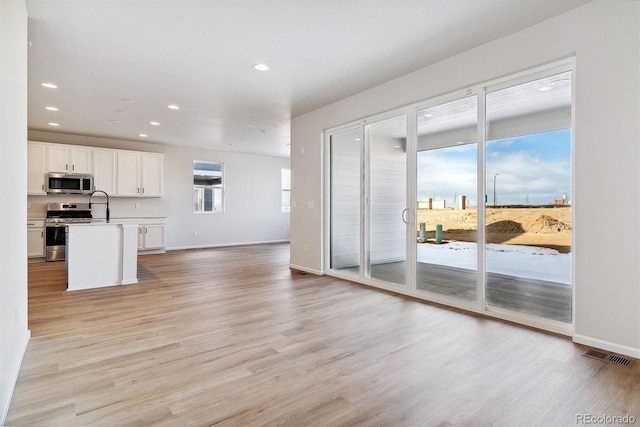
[128, 174]
[120, 173]
[140, 174]
[105, 170]
[70, 159]
[152, 174]
[36, 159]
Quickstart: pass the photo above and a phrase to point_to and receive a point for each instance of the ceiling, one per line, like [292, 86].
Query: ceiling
[118, 64]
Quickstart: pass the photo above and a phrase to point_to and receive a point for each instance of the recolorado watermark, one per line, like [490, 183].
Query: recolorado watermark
[605, 419]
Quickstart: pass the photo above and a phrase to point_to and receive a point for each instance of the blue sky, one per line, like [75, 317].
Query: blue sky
[532, 169]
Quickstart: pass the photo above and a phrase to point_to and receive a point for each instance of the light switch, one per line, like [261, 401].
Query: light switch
[293, 203]
[311, 204]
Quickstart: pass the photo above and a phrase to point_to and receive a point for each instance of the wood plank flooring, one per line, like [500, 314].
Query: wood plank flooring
[230, 336]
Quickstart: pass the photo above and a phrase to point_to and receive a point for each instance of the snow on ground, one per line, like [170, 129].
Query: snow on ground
[514, 260]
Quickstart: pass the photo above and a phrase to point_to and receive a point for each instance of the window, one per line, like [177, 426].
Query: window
[208, 187]
[286, 190]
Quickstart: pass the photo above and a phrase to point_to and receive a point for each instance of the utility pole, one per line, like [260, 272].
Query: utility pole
[494, 189]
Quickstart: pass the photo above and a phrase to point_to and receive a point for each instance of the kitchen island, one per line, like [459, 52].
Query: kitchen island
[101, 254]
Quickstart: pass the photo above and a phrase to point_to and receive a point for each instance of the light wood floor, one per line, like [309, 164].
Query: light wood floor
[231, 336]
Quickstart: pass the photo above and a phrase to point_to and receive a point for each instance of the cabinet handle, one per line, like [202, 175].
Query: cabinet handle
[31, 223]
[42, 187]
[66, 167]
[142, 190]
[73, 167]
[42, 234]
[138, 190]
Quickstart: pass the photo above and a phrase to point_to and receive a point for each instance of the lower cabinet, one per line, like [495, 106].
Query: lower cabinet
[151, 236]
[35, 238]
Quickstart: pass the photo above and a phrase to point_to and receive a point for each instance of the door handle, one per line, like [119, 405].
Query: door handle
[404, 211]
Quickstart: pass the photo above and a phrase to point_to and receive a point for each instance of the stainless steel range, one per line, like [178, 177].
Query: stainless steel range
[58, 216]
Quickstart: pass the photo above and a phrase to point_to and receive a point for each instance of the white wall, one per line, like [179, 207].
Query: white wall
[604, 37]
[14, 334]
[252, 195]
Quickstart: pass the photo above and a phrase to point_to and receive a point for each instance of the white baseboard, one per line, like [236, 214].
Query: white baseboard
[14, 379]
[222, 245]
[306, 269]
[606, 345]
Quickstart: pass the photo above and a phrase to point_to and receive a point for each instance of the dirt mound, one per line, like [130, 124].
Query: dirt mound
[505, 227]
[546, 224]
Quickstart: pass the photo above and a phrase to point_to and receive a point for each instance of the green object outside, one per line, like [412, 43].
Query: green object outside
[438, 234]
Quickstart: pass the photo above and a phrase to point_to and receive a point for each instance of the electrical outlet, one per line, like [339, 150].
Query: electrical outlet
[137, 205]
[195, 234]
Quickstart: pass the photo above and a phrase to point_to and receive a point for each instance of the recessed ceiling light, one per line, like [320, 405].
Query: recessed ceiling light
[428, 116]
[127, 100]
[49, 85]
[118, 111]
[357, 139]
[173, 107]
[53, 124]
[544, 88]
[154, 123]
[114, 121]
[144, 135]
[460, 142]
[261, 67]
[51, 108]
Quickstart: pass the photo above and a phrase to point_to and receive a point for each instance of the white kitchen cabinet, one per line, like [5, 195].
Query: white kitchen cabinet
[152, 174]
[36, 168]
[151, 236]
[105, 170]
[128, 173]
[35, 238]
[140, 174]
[69, 159]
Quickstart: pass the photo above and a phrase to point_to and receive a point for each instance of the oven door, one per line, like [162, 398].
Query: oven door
[55, 242]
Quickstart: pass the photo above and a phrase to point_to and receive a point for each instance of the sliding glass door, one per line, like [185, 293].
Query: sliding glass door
[447, 158]
[481, 181]
[345, 150]
[386, 200]
[528, 211]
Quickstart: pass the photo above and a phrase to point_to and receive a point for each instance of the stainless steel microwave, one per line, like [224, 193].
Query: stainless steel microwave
[68, 183]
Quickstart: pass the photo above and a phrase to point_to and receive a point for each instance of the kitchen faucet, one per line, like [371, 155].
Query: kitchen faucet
[105, 193]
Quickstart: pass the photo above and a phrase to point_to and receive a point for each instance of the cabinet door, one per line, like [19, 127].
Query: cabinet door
[128, 173]
[104, 171]
[35, 168]
[35, 242]
[140, 236]
[80, 160]
[154, 236]
[57, 158]
[152, 174]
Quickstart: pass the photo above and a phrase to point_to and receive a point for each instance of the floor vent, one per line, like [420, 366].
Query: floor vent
[607, 357]
[618, 360]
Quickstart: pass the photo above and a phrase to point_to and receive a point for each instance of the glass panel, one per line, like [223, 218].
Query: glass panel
[386, 167]
[528, 213]
[207, 187]
[345, 193]
[286, 190]
[446, 187]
